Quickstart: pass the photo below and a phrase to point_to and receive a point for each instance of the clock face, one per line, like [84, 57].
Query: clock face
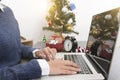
[67, 45]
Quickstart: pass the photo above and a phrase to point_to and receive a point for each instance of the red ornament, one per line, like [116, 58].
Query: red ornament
[50, 23]
[113, 33]
[97, 17]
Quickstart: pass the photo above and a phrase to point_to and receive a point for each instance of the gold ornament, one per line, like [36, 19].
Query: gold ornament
[94, 30]
[69, 27]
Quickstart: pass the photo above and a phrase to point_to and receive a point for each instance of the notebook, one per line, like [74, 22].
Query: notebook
[95, 62]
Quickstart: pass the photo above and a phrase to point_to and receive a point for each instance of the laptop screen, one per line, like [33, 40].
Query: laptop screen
[102, 36]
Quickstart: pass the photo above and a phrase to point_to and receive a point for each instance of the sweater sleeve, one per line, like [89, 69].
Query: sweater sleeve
[27, 51]
[24, 71]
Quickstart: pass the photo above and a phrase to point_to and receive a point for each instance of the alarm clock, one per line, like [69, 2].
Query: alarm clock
[70, 44]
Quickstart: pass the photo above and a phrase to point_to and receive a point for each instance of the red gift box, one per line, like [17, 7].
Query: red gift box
[58, 45]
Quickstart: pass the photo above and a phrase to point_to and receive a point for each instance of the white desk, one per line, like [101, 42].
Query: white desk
[65, 77]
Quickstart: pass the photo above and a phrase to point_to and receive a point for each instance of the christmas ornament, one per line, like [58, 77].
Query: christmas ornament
[70, 27]
[72, 6]
[94, 31]
[64, 9]
[114, 33]
[44, 39]
[50, 23]
[96, 17]
[108, 17]
[70, 21]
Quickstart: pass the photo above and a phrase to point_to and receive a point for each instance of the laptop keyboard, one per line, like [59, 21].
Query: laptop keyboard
[78, 59]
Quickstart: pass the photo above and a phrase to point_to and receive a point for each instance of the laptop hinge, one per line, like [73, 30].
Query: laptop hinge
[97, 67]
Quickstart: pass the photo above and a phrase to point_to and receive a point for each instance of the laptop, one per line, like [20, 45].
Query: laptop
[96, 61]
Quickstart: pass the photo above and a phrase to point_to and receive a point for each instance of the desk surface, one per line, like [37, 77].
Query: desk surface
[69, 77]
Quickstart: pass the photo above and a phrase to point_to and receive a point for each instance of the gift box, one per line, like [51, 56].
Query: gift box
[55, 42]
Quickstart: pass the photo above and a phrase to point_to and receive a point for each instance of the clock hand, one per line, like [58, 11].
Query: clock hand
[68, 46]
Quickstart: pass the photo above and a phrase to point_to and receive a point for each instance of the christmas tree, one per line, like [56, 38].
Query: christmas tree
[60, 17]
[105, 25]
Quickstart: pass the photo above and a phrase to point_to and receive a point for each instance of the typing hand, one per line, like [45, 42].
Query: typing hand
[46, 53]
[59, 66]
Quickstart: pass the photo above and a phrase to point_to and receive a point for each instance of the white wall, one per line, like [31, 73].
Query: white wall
[86, 9]
[31, 15]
